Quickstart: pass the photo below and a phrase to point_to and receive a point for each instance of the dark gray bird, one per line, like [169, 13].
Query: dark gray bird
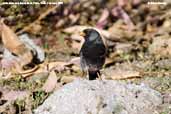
[92, 53]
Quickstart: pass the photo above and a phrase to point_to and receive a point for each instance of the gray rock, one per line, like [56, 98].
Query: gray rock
[101, 97]
[38, 52]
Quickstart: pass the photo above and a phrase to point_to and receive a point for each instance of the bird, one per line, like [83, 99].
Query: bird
[92, 53]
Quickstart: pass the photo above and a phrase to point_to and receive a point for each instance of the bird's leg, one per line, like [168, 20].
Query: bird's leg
[87, 75]
[99, 75]
[84, 74]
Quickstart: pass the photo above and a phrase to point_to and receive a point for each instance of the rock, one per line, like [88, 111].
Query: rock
[101, 97]
[38, 52]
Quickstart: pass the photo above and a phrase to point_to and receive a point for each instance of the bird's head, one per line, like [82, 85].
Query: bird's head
[90, 34]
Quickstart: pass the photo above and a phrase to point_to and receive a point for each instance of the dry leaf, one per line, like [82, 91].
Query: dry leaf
[50, 83]
[36, 28]
[59, 66]
[122, 74]
[44, 68]
[75, 61]
[119, 34]
[63, 65]
[28, 72]
[15, 46]
[67, 79]
[9, 38]
[109, 61]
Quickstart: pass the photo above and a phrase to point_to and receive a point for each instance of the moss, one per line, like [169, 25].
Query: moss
[38, 97]
[18, 82]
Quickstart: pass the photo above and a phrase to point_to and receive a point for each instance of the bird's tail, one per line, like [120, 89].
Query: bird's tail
[93, 74]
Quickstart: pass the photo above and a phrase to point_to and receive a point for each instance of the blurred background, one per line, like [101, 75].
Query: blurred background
[137, 34]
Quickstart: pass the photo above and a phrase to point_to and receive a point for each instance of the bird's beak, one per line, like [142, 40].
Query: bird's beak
[82, 34]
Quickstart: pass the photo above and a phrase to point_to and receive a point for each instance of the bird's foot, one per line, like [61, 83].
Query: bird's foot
[99, 76]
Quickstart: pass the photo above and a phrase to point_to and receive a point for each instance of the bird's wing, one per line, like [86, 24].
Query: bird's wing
[93, 51]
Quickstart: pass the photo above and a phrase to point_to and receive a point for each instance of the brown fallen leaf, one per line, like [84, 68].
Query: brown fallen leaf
[28, 72]
[46, 67]
[42, 68]
[35, 29]
[109, 61]
[58, 65]
[15, 46]
[51, 82]
[75, 61]
[117, 33]
[9, 38]
[63, 65]
[67, 79]
[122, 74]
